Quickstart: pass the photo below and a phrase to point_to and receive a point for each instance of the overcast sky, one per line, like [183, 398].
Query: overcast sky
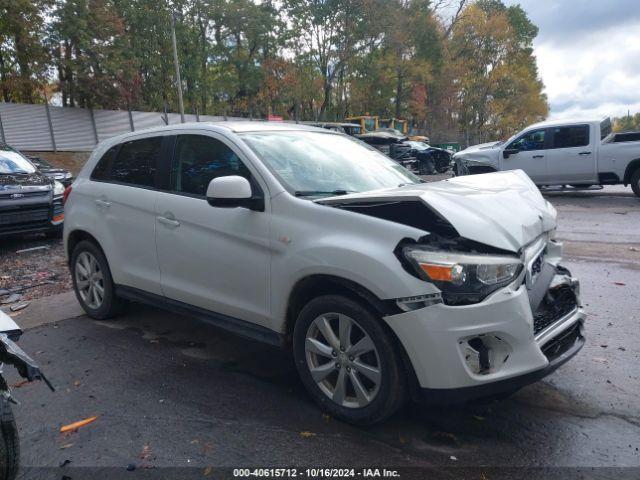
[588, 55]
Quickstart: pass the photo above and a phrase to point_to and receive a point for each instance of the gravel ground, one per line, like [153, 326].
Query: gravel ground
[32, 274]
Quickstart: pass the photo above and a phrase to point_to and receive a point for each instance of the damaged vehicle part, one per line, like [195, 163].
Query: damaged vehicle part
[11, 354]
[381, 284]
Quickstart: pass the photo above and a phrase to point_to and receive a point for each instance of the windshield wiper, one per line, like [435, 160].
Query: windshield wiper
[312, 193]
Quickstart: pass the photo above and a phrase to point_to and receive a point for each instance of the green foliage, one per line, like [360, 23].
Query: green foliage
[305, 59]
[628, 123]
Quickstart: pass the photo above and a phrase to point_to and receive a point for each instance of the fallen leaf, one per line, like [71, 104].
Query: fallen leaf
[76, 425]
[76, 383]
[307, 434]
[65, 446]
[207, 471]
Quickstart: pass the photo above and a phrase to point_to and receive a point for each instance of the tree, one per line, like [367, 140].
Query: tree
[23, 56]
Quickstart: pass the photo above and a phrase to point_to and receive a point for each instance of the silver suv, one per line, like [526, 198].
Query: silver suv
[385, 287]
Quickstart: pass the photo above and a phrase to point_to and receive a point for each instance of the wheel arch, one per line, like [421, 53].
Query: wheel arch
[316, 285]
[77, 236]
[631, 168]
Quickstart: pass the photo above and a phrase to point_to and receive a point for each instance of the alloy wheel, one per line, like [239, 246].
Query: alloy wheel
[343, 360]
[89, 280]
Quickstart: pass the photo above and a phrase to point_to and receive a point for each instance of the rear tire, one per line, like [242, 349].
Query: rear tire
[92, 282]
[374, 383]
[9, 442]
[635, 182]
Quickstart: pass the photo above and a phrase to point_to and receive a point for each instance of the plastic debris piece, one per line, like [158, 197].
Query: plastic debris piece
[14, 297]
[19, 306]
[33, 249]
[76, 425]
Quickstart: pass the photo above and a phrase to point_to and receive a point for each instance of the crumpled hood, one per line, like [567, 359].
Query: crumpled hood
[503, 209]
[485, 154]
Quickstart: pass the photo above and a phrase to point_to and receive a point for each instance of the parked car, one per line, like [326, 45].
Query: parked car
[384, 287]
[30, 202]
[578, 153]
[342, 127]
[65, 177]
[430, 159]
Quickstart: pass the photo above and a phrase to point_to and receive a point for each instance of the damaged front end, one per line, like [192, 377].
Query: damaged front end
[504, 312]
[12, 354]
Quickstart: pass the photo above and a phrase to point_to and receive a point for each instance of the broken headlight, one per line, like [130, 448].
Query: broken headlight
[463, 278]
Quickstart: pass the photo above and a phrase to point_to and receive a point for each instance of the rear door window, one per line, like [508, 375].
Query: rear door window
[569, 137]
[137, 162]
[198, 159]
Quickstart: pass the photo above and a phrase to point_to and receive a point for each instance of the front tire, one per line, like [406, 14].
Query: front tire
[635, 182]
[348, 361]
[9, 442]
[92, 281]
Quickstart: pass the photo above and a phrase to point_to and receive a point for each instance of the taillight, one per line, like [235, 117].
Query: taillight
[65, 195]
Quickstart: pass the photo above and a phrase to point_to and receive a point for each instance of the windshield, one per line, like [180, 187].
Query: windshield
[315, 163]
[13, 162]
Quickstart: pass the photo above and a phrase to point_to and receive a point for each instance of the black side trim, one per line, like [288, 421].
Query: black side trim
[608, 178]
[230, 324]
[448, 396]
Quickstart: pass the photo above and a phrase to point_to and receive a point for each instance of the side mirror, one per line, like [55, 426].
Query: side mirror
[231, 192]
[509, 151]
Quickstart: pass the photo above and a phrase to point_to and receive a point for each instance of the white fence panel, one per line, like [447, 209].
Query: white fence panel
[73, 129]
[110, 123]
[25, 126]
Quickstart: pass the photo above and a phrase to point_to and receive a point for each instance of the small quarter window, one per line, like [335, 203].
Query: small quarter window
[101, 170]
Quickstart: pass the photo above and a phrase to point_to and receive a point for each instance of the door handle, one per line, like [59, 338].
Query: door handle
[169, 222]
[103, 203]
[538, 156]
[584, 153]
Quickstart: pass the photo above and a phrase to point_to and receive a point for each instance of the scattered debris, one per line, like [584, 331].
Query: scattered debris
[14, 297]
[622, 284]
[65, 446]
[634, 249]
[604, 345]
[20, 383]
[622, 349]
[76, 425]
[207, 471]
[19, 306]
[599, 359]
[479, 418]
[307, 434]
[453, 457]
[33, 249]
[65, 462]
[131, 467]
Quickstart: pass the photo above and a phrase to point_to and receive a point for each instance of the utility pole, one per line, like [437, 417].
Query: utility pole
[177, 65]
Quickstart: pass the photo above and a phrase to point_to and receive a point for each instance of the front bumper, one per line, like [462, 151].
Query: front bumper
[18, 218]
[437, 340]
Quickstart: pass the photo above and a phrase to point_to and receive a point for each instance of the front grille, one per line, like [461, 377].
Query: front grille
[563, 342]
[21, 218]
[23, 194]
[556, 304]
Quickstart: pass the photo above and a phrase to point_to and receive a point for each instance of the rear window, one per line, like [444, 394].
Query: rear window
[137, 162]
[567, 137]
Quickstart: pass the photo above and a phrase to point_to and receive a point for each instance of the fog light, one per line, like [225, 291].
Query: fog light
[485, 354]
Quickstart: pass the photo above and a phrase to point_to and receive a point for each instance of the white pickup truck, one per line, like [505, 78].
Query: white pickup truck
[577, 153]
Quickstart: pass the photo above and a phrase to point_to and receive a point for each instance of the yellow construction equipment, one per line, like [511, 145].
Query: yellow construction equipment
[368, 123]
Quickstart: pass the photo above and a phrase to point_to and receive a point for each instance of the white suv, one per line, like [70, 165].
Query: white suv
[384, 286]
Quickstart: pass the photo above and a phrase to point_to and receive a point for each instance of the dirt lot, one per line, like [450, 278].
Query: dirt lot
[32, 273]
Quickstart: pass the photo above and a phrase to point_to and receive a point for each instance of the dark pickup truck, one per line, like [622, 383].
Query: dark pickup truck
[30, 202]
